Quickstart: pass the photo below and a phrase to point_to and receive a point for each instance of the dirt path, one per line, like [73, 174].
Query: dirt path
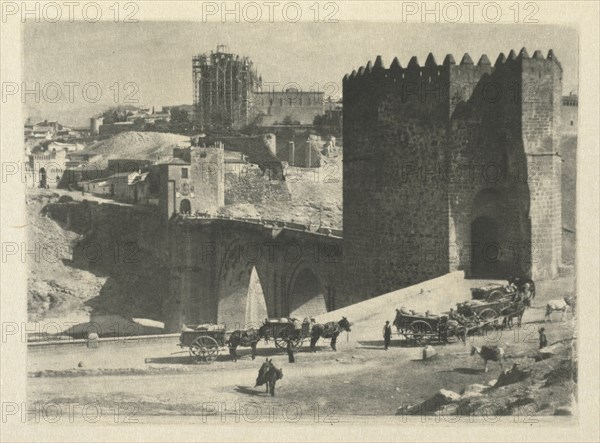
[360, 379]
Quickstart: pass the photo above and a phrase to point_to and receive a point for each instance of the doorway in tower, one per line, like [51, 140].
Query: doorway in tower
[185, 207]
[485, 248]
[307, 296]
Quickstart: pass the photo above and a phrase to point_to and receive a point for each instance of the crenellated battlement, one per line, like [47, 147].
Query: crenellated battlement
[436, 90]
[432, 68]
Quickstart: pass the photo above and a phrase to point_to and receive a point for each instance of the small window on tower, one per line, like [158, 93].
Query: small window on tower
[184, 172]
[571, 122]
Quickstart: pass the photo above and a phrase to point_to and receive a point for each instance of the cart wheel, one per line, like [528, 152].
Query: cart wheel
[297, 344]
[495, 295]
[205, 348]
[420, 330]
[488, 314]
[281, 339]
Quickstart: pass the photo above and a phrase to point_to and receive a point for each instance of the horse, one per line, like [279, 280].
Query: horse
[559, 305]
[514, 310]
[268, 375]
[245, 338]
[524, 285]
[489, 353]
[328, 330]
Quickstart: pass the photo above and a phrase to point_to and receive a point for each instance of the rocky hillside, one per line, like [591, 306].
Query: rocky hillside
[308, 195]
[55, 289]
[136, 145]
[97, 259]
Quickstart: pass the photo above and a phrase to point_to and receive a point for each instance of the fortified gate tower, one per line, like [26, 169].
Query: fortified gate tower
[450, 167]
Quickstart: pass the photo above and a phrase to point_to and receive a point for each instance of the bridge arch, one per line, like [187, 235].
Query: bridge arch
[306, 295]
[240, 293]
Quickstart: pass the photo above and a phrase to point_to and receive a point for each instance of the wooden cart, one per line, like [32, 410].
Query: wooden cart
[203, 342]
[284, 330]
[419, 328]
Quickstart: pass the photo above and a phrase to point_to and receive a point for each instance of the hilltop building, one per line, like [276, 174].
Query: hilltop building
[228, 92]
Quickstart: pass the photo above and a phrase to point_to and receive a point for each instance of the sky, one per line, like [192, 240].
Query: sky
[151, 62]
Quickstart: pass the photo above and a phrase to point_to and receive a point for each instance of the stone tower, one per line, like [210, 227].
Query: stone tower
[451, 166]
[193, 181]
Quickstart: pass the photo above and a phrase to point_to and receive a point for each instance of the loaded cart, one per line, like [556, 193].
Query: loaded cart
[420, 328]
[203, 341]
[492, 292]
[482, 310]
[284, 330]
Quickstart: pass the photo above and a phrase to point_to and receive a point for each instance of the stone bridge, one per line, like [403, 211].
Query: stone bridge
[238, 272]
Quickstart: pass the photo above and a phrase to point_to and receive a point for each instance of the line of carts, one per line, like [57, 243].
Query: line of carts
[492, 307]
[206, 341]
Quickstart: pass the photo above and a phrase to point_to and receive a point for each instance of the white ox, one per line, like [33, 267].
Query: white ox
[559, 306]
[487, 353]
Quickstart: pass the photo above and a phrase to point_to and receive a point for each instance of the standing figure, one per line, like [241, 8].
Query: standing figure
[290, 352]
[387, 334]
[543, 339]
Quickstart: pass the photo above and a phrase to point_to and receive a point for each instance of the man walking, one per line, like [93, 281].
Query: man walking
[290, 352]
[387, 334]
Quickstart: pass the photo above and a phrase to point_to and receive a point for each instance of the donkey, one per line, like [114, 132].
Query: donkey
[244, 338]
[487, 353]
[328, 330]
[268, 375]
[560, 306]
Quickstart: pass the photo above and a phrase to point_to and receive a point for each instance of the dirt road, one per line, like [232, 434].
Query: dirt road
[361, 378]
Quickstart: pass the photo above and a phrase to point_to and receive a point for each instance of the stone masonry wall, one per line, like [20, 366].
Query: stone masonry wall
[212, 263]
[405, 130]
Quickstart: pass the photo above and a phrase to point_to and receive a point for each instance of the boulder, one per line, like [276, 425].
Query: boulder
[474, 390]
[444, 396]
[65, 199]
[510, 376]
[432, 405]
[428, 352]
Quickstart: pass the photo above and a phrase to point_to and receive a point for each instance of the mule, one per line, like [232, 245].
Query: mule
[328, 330]
[268, 375]
[244, 338]
[559, 306]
